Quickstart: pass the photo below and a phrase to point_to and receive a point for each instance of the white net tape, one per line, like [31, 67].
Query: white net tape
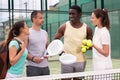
[113, 74]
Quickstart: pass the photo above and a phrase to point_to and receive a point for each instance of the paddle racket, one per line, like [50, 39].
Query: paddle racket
[54, 48]
[67, 58]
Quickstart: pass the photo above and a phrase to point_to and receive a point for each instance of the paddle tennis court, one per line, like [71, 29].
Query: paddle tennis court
[55, 14]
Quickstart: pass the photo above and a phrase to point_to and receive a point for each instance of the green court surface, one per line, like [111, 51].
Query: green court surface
[55, 66]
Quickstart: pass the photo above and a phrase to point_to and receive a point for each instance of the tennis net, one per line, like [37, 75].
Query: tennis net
[113, 74]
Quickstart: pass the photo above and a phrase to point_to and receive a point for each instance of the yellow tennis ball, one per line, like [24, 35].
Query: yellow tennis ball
[89, 43]
[87, 47]
[84, 41]
[83, 49]
[84, 46]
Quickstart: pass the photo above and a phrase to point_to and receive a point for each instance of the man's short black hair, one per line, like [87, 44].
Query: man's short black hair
[34, 14]
[77, 8]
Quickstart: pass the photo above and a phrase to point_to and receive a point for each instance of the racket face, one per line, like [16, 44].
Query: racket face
[67, 58]
[55, 47]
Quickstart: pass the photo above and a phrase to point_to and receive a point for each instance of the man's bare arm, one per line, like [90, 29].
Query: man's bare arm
[60, 31]
[89, 33]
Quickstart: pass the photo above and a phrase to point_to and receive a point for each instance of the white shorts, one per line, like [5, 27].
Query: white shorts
[9, 75]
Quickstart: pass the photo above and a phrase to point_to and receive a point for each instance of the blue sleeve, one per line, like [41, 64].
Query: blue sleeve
[14, 43]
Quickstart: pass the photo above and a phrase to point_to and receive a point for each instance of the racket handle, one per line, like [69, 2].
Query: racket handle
[61, 53]
[46, 53]
[42, 58]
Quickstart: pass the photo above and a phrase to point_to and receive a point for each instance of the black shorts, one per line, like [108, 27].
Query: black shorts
[37, 71]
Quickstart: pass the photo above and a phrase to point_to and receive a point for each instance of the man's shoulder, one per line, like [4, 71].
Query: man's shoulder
[63, 25]
[43, 30]
[84, 24]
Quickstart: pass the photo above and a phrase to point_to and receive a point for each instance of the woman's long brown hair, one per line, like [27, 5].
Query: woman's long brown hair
[15, 31]
[103, 14]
